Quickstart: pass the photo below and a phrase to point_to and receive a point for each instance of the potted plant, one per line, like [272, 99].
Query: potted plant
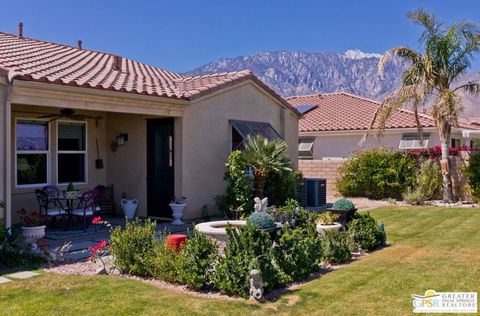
[71, 192]
[33, 227]
[328, 221]
[177, 207]
[344, 208]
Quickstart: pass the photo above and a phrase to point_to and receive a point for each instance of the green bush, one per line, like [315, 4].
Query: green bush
[429, 180]
[377, 173]
[343, 204]
[248, 248]
[134, 247]
[413, 196]
[297, 253]
[261, 220]
[197, 261]
[472, 171]
[335, 247]
[239, 192]
[165, 263]
[366, 231]
[282, 186]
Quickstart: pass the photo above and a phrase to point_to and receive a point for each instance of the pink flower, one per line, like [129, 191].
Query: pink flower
[97, 220]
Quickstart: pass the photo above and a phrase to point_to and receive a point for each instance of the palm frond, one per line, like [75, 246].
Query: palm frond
[403, 52]
[472, 88]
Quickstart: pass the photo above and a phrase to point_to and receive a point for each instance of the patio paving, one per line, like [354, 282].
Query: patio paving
[22, 275]
[4, 280]
[82, 239]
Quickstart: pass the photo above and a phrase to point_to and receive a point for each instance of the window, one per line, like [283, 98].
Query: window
[72, 152]
[305, 148]
[455, 142]
[242, 129]
[413, 141]
[32, 153]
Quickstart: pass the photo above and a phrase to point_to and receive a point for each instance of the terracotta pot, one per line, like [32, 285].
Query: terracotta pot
[32, 234]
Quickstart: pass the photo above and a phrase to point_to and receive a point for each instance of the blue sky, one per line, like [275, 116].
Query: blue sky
[184, 34]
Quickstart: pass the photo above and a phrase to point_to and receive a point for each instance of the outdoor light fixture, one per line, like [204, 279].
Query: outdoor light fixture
[121, 139]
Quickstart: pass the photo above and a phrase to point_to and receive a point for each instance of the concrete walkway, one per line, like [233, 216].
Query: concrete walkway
[18, 276]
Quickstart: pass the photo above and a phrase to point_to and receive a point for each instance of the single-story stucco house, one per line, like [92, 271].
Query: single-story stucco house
[333, 125]
[158, 133]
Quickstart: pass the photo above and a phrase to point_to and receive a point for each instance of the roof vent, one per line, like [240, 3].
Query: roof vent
[20, 29]
[117, 62]
[79, 44]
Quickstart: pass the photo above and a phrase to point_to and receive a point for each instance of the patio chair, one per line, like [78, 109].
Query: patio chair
[52, 192]
[87, 207]
[49, 206]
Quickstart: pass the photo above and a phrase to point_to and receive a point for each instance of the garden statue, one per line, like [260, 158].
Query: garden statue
[256, 288]
[260, 204]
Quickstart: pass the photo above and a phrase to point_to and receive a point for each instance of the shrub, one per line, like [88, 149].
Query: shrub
[472, 171]
[164, 264]
[297, 253]
[134, 247]
[328, 218]
[239, 192]
[366, 232]
[413, 196]
[377, 173]
[197, 261]
[248, 248]
[282, 186]
[343, 204]
[261, 220]
[335, 247]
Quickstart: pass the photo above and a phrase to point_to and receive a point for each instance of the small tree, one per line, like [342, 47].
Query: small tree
[265, 156]
[447, 53]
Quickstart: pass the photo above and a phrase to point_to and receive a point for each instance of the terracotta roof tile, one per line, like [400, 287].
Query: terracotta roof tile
[344, 111]
[35, 60]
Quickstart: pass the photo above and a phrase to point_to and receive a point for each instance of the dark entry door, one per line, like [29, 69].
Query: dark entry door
[160, 173]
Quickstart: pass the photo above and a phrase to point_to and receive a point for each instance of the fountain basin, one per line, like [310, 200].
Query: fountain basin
[217, 229]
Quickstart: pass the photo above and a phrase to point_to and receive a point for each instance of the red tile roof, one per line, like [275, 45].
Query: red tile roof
[343, 111]
[34, 60]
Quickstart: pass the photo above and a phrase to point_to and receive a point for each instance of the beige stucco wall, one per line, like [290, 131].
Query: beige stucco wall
[206, 141]
[342, 146]
[25, 197]
[3, 90]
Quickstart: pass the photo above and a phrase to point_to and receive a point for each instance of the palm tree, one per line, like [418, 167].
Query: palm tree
[265, 156]
[432, 76]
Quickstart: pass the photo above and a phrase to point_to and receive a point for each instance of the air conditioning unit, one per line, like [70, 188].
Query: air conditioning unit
[316, 192]
[302, 192]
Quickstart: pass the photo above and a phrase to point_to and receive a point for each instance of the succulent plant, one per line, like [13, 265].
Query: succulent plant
[328, 218]
[343, 204]
[70, 187]
[261, 220]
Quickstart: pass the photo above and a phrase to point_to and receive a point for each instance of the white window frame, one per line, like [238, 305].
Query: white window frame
[306, 154]
[412, 141]
[17, 152]
[85, 152]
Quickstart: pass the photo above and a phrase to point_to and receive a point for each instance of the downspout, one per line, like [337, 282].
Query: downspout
[8, 157]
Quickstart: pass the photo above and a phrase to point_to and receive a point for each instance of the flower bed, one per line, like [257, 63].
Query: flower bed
[292, 255]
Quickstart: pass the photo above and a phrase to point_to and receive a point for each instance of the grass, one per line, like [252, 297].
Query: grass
[431, 248]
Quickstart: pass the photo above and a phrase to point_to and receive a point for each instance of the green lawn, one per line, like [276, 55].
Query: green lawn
[431, 248]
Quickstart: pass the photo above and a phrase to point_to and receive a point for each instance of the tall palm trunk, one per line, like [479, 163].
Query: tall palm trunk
[444, 130]
[259, 183]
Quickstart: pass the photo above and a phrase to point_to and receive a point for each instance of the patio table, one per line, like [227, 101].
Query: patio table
[69, 203]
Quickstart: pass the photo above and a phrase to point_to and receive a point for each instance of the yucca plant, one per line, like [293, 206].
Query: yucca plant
[265, 156]
[431, 76]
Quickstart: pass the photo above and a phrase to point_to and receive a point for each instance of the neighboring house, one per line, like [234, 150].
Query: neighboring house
[333, 125]
[159, 133]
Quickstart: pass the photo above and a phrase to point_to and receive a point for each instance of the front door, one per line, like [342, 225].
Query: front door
[160, 173]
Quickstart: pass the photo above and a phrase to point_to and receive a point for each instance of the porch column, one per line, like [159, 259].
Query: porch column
[8, 158]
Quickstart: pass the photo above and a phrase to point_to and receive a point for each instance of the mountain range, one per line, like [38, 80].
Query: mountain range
[299, 73]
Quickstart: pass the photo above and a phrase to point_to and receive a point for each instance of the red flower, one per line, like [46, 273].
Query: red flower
[97, 220]
[100, 246]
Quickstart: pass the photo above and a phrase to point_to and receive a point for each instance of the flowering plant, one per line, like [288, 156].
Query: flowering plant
[100, 250]
[180, 201]
[33, 219]
[436, 152]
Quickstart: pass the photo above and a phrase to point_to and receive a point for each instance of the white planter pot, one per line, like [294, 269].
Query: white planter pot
[129, 208]
[177, 210]
[32, 234]
[322, 228]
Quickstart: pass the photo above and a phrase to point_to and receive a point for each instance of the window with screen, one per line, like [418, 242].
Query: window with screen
[32, 153]
[305, 148]
[71, 152]
[413, 141]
